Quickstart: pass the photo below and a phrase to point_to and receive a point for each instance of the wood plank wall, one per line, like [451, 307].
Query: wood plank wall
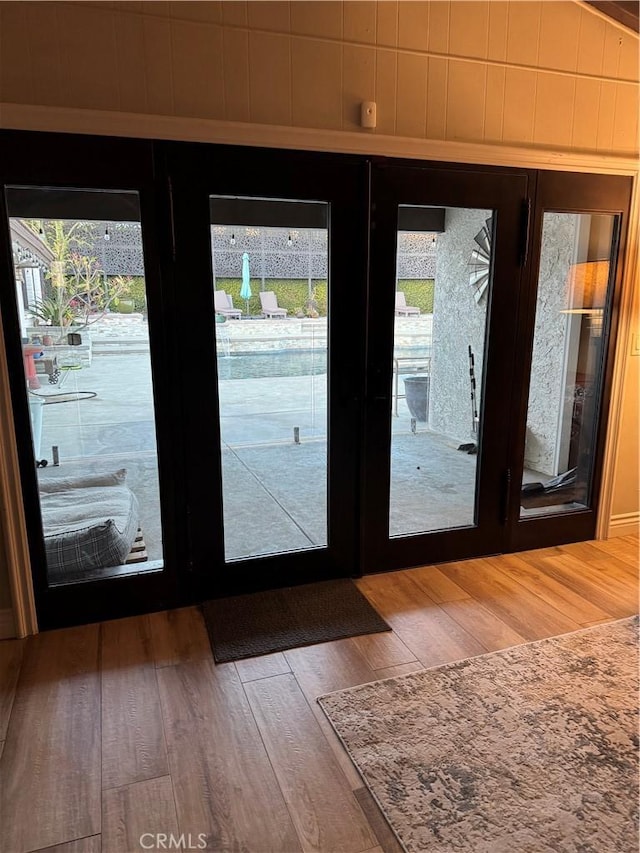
[547, 74]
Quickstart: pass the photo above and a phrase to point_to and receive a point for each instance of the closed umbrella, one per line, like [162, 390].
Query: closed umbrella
[245, 290]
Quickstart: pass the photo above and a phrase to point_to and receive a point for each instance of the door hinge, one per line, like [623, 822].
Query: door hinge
[525, 218]
[506, 496]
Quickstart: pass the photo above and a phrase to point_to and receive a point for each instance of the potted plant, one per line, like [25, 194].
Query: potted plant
[417, 395]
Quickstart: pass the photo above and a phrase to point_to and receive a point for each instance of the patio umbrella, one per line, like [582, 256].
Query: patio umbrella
[245, 290]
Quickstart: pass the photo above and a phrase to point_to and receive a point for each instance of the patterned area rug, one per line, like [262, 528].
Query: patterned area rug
[528, 750]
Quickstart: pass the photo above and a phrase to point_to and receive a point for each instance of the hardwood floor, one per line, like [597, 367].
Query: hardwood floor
[133, 744]
[111, 731]
[50, 767]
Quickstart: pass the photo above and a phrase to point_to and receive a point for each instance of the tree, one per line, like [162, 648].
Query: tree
[77, 292]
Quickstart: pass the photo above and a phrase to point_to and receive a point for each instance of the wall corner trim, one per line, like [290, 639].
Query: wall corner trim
[12, 521]
[623, 340]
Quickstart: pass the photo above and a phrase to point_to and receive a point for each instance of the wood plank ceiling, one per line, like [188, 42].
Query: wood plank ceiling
[623, 11]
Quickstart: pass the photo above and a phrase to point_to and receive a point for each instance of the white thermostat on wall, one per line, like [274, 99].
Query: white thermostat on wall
[368, 114]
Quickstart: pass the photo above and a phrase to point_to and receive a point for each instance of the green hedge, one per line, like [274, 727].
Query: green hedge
[418, 292]
[293, 294]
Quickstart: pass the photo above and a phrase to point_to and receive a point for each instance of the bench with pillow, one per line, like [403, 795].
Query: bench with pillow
[89, 522]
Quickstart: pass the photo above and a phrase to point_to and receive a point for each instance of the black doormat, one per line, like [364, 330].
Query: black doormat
[264, 622]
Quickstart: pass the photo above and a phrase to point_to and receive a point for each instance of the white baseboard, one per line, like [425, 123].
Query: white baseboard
[624, 524]
[7, 624]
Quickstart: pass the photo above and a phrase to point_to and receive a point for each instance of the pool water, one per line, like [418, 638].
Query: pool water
[268, 365]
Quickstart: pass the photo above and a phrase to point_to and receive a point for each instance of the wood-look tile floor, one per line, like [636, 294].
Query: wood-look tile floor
[112, 733]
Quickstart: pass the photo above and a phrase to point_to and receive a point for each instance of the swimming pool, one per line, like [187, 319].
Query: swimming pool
[267, 365]
[284, 363]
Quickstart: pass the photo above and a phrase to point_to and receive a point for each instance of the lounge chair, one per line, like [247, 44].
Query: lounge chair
[402, 309]
[269, 302]
[223, 304]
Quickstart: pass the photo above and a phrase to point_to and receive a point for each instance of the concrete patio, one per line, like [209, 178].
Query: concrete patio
[274, 489]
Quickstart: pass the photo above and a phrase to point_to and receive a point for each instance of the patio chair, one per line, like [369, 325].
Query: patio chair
[223, 304]
[402, 309]
[269, 302]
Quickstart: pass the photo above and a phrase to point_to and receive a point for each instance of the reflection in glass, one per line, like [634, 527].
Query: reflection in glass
[564, 388]
[270, 268]
[443, 283]
[80, 289]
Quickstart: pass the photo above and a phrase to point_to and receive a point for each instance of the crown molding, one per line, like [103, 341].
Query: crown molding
[112, 123]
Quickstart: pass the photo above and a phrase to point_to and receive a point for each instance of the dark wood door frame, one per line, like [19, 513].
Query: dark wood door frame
[173, 181]
[84, 162]
[566, 192]
[197, 172]
[506, 193]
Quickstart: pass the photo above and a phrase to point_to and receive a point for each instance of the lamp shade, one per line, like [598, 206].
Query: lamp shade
[587, 287]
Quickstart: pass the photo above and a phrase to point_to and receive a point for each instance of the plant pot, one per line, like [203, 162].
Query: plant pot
[417, 395]
[126, 306]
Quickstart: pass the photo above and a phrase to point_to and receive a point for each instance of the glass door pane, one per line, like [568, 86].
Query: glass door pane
[446, 264]
[80, 291]
[270, 281]
[574, 284]
[443, 288]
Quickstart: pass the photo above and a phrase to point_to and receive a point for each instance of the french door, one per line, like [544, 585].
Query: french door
[247, 368]
[440, 371]
[94, 373]
[486, 405]
[564, 360]
[271, 258]
[303, 466]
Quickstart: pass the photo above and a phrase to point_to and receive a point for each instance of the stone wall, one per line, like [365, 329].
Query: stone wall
[458, 321]
[236, 337]
[271, 256]
[546, 389]
[270, 253]
[416, 255]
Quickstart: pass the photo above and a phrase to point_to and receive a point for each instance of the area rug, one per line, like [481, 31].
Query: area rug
[532, 749]
[264, 622]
